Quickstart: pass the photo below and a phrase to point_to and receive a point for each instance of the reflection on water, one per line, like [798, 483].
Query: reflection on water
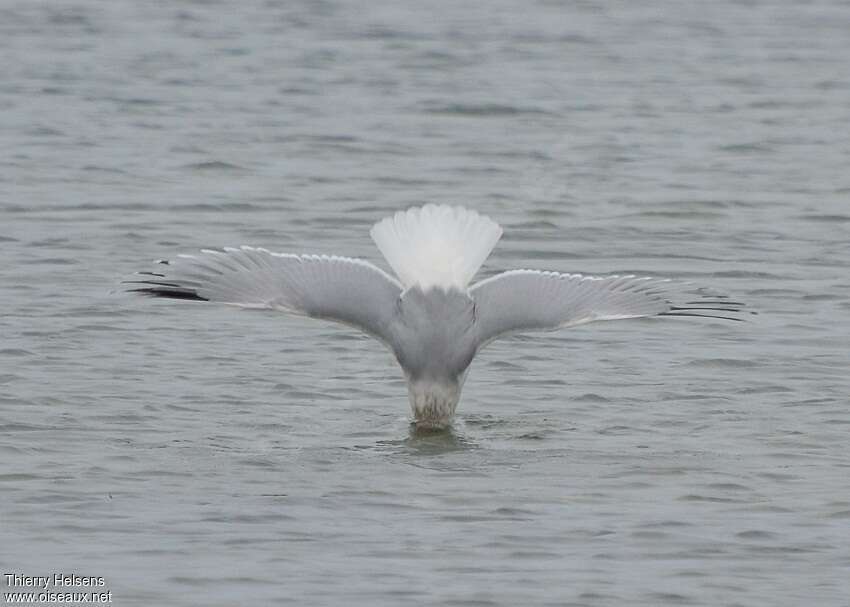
[430, 442]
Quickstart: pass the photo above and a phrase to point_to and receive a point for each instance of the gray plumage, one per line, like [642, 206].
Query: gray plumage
[435, 323]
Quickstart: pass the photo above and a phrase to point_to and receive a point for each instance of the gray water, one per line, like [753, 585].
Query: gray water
[196, 455]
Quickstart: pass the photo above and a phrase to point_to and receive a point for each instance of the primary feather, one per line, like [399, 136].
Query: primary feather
[528, 300]
[350, 291]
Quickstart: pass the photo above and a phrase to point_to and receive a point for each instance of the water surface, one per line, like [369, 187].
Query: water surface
[193, 454]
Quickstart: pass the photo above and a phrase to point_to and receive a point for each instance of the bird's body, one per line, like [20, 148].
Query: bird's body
[431, 319]
[434, 333]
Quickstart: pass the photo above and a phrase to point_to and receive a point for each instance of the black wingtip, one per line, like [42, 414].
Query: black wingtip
[712, 305]
[697, 315]
[169, 293]
[708, 309]
[157, 284]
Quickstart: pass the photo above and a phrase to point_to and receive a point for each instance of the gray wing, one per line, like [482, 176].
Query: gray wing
[524, 300]
[350, 291]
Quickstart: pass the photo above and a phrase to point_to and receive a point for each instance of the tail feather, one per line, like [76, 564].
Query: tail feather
[436, 245]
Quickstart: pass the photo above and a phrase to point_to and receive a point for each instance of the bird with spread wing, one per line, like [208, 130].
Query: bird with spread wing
[428, 314]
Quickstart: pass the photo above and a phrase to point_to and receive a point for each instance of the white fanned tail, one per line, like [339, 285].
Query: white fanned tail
[436, 245]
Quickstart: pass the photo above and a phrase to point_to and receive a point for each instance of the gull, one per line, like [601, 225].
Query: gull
[428, 315]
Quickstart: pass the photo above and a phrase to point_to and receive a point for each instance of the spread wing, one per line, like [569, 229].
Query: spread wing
[525, 300]
[350, 291]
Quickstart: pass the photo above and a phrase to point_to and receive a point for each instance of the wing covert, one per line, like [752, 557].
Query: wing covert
[527, 300]
[341, 289]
